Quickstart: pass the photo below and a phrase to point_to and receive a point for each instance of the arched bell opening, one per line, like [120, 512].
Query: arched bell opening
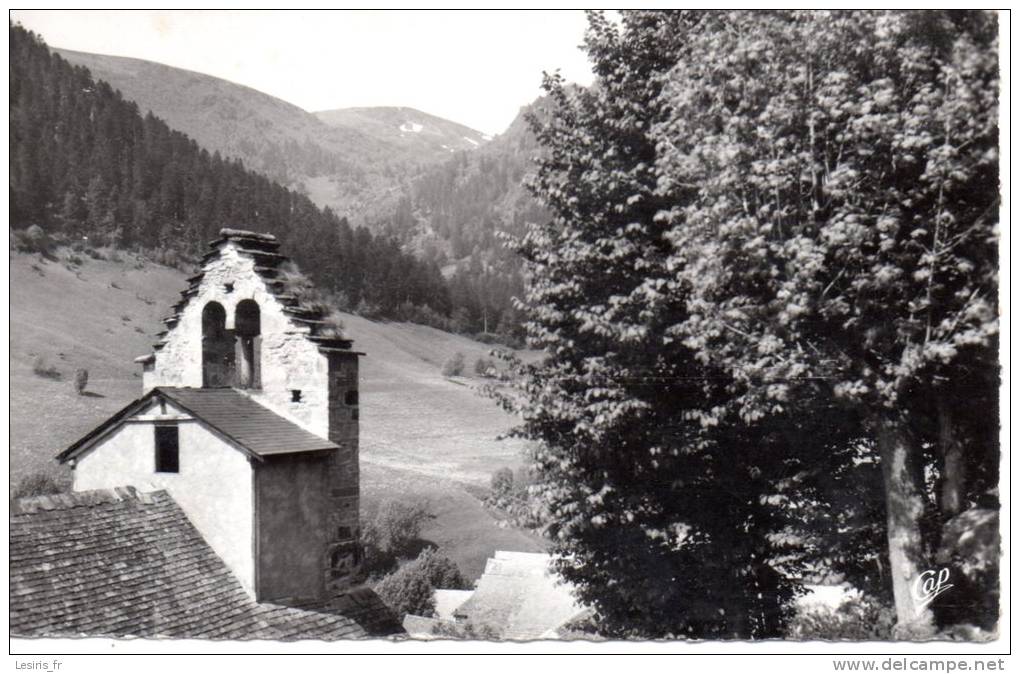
[218, 359]
[248, 344]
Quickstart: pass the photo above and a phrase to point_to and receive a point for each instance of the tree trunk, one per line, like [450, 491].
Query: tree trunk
[954, 468]
[902, 470]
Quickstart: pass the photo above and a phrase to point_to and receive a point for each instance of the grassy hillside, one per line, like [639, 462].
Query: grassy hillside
[419, 134]
[422, 436]
[98, 315]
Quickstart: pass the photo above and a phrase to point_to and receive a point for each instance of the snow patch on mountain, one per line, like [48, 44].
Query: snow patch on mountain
[473, 142]
[411, 127]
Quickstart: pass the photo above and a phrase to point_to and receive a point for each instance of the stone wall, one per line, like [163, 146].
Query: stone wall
[288, 361]
[343, 555]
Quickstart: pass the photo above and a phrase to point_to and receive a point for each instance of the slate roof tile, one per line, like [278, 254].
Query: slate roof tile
[248, 423]
[124, 563]
[245, 422]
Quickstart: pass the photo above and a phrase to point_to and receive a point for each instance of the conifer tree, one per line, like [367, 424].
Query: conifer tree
[84, 162]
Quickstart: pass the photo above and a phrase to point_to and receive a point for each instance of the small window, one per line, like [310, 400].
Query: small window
[295, 395]
[228, 288]
[167, 450]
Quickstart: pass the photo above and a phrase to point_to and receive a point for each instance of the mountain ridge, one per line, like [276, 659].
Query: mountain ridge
[440, 188]
[410, 124]
[347, 164]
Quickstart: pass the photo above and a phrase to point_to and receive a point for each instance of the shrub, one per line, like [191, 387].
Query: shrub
[341, 300]
[454, 366]
[485, 367]
[487, 337]
[377, 559]
[42, 368]
[399, 525]
[524, 477]
[36, 484]
[81, 380]
[31, 240]
[426, 315]
[857, 619]
[411, 588]
[168, 257]
[368, 309]
[511, 495]
[502, 481]
[465, 630]
[407, 590]
[441, 571]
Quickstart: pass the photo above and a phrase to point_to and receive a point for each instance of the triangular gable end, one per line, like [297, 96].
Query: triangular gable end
[279, 280]
[138, 407]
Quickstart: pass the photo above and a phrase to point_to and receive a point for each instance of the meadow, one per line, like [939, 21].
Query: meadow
[424, 437]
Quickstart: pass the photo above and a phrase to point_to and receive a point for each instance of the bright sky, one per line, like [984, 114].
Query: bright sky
[472, 67]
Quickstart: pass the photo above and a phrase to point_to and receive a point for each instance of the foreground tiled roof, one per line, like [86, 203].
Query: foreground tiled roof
[122, 563]
[251, 426]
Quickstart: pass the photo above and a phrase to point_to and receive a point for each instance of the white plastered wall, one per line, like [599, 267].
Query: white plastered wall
[214, 486]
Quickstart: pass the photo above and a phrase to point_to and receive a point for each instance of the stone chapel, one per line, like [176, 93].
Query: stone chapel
[249, 421]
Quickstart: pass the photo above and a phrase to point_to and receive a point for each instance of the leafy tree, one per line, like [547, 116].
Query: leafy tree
[771, 262]
[667, 521]
[399, 525]
[841, 229]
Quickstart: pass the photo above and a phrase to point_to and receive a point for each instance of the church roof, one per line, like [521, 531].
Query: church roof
[251, 425]
[238, 418]
[118, 562]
